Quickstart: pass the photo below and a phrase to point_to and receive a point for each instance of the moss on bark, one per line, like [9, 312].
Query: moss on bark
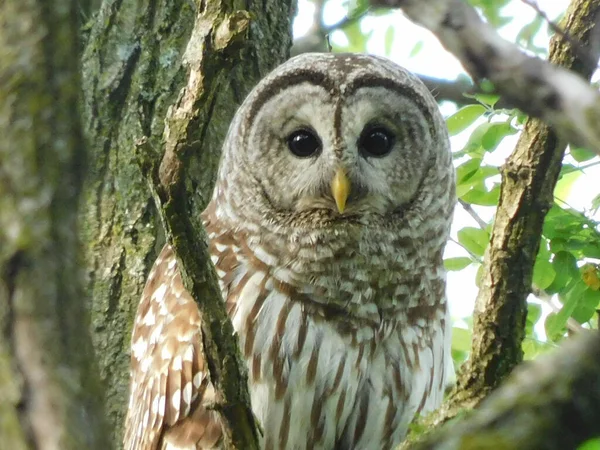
[133, 71]
[50, 395]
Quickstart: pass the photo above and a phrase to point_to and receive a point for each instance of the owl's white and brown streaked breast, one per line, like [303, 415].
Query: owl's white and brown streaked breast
[348, 380]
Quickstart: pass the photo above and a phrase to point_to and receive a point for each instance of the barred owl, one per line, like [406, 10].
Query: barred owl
[326, 227]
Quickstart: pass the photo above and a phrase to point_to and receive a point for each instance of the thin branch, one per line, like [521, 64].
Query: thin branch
[468, 208]
[572, 324]
[220, 346]
[556, 95]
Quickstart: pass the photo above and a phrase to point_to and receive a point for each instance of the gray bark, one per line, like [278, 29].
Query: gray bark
[133, 70]
[50, 396]
[553, 404]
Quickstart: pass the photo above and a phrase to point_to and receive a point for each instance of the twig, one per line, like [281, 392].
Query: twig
[473, 255]
[572, 324]
[468, 208]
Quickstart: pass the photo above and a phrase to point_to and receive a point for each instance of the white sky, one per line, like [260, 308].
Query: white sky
[433, 60]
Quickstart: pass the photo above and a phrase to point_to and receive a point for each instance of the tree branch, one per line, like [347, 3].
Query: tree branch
[559, 97]
[528, 180]
[219, 343]
[552, 403]
[469, 209]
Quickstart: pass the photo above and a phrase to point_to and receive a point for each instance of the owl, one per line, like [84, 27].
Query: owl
[326, 228]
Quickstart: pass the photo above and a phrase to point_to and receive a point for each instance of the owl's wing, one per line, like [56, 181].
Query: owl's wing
[169, 378]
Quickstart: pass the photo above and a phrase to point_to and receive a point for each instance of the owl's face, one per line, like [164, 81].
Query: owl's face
[351, 137]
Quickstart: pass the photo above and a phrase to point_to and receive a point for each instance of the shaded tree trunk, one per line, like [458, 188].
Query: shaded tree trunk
[136, 60]
[49, 389]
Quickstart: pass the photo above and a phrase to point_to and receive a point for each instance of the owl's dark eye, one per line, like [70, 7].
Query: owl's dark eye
[377, 141]
[304, 143]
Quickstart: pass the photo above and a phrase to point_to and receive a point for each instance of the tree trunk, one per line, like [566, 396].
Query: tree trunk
[49, 389]
[136, 61]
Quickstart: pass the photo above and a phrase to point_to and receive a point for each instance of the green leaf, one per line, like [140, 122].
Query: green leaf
[587, 305]
[555, 323]
[532, 348]
[357, 41]
[491, 9]
[596, 203]
[565, 184]
[592, 444]
[456, 264]
[471, 175]
[475, 240]
[416, 49]
[571, 231]
[534, 312]
[494, 135]
[357, 7]
[565, 270]
[555, 329]
[389, 39]
[467, 169]
[582, 154]
[463, 118]
[461, 339]
[480, 195]
[487, 99]
[473, 147]
[543, 270]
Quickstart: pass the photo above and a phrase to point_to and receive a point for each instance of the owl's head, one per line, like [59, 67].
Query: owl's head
[334, 137]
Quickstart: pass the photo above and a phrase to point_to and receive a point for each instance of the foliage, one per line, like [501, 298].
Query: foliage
[566, 281]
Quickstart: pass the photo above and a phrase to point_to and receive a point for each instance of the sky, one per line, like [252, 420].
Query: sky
[433, 60]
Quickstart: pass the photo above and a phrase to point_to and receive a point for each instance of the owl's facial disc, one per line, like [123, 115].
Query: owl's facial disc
[344, 154]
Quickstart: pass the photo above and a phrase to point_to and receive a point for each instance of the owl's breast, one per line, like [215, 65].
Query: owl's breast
[314, 384]
[343, 343]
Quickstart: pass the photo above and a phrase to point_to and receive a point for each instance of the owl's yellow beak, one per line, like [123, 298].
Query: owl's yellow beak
[340, 189]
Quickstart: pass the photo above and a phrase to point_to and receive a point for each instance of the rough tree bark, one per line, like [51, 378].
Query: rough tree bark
[552, 404]
[49, 389]
[137, 59]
